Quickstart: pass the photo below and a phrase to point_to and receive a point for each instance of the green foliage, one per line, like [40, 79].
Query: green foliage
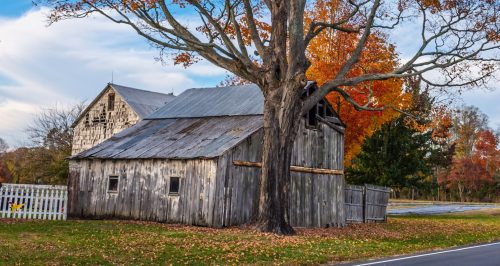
[36, 165]
[397, 155]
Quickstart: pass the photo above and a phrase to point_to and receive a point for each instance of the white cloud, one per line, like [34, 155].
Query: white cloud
[73, 60]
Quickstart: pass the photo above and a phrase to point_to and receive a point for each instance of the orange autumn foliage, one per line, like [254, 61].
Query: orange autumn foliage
[330, 50]
[441, 127]
[486, 152]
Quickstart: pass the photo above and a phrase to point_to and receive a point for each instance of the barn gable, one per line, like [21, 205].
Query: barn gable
[114, 109]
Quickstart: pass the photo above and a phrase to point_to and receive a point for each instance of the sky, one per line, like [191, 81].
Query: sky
[71, 61]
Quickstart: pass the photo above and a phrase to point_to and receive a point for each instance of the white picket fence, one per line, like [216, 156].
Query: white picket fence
[23, 201]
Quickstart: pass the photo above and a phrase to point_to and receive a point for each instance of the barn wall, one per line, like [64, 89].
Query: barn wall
[143, 191]
[316, 200]
[241, 184]
[102, 123]
[213, 192]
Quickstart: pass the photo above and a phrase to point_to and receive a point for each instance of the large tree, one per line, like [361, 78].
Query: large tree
[265, 42]
[467, 122]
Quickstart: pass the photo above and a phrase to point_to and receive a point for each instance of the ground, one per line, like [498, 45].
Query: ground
[126, 242]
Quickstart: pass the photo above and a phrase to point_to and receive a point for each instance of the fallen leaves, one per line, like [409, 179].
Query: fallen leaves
[136, 242]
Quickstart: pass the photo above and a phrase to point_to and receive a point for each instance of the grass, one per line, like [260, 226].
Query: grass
[141, 243]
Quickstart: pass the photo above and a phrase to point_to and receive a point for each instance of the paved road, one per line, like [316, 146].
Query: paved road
[437, 209]
[480, 255]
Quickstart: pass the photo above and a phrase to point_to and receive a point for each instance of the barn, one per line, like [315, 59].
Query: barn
[195, 161]
[116, 108]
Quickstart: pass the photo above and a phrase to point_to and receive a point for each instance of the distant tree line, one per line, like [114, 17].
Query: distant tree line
[43, 160]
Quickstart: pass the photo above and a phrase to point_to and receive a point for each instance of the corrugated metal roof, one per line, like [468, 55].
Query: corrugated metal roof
[143, 102]
[199, 123]
[180, 138]
[210, 102]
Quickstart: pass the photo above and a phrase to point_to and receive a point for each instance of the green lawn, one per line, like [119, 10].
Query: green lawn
[121, 242]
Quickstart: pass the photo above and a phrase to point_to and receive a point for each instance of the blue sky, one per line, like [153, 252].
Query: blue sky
[13, 8]
[72, 61]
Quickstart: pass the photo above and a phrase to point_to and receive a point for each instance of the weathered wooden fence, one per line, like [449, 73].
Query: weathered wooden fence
[354, 207]
[366, 203]
[43, 202]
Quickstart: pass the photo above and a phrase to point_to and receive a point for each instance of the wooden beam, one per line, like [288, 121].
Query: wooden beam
[294, 168]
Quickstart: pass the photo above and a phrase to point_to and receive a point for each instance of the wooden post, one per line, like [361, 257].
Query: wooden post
[364, 204]
[293, 168]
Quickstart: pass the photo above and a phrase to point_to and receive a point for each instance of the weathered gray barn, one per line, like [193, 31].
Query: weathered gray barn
[114, 109]
[178, 165]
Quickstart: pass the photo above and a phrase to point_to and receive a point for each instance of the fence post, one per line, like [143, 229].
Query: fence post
[365, 209]
[2, 203]
[36, 213]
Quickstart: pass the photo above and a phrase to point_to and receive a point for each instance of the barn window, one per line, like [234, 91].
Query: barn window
[102, 116]
[87, 120]
[111, 102]
[312, 121]
[174, 186]
[320, 111]
[113, 183]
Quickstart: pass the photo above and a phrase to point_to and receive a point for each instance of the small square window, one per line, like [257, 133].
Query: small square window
[174, 186]
[113, 184]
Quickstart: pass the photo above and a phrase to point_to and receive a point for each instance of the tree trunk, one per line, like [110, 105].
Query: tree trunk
[281, 119]
[461, 192]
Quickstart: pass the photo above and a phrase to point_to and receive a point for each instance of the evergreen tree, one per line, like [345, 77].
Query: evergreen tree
[397, 155]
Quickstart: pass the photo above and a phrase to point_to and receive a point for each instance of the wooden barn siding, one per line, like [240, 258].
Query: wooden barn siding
[316, 200]
[241, 184]
[229, 199]
[122, 117]
[143, 191]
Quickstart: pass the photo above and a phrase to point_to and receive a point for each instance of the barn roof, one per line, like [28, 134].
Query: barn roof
[176, 138]
[199, 123]
[210, 102]
[141, 101]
